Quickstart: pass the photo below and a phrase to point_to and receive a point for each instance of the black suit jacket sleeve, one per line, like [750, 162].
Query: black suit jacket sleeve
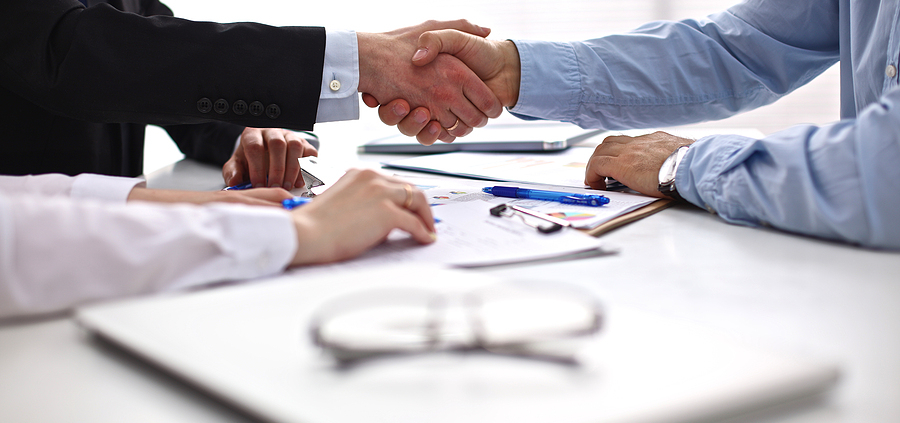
[211, 143]
[103, 65]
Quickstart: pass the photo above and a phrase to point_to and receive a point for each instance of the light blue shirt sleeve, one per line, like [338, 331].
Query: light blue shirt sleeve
[836, 181]
[665, 73]
[338, 99]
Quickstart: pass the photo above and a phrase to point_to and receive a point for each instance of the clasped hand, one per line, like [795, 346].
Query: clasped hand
[437, 81]
[633, 161]
[495, 64]
[434, 94]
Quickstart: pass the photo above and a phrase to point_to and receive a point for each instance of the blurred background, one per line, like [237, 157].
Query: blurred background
[557, 20]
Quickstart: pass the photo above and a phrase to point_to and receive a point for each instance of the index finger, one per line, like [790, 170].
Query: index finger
[256, 156]
[596, 171]
[420, 207]
[276, 144]
[459, 25]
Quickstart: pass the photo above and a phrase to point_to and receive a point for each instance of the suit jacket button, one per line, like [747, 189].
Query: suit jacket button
[256, 108]
[204, 105]
[240, 107]
[273, 111]
[221, 106]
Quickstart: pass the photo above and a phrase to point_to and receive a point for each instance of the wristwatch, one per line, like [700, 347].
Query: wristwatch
[667, 173]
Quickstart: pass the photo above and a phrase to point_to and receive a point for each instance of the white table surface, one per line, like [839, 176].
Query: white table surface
[780, 291]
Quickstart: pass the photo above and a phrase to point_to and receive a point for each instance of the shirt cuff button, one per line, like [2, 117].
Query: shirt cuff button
[335, 85]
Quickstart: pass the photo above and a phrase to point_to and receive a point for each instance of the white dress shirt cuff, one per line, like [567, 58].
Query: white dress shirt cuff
[338, 98]
[256, 242]
[102, 187]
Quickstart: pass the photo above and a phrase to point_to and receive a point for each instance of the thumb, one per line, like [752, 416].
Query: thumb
[232, 173]
[449, 41]
[233, 169]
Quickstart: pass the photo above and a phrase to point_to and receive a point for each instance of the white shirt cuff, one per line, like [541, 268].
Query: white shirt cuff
[102, 187]
[338, 99]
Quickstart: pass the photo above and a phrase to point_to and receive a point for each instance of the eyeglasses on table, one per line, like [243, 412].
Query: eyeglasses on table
[536, 320]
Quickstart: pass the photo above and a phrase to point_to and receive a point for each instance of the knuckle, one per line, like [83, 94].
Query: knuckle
[254, 149]
[368, 175]
[277, 142]
[296, 147]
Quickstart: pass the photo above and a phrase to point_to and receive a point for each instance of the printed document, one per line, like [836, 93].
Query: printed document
[469, 236]
[448, 191]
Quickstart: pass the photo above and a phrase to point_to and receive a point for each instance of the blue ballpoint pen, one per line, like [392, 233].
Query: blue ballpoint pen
[245, 185]
[291, 203]
[560, 197]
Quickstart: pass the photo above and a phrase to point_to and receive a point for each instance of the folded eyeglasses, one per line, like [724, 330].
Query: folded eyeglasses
[544, 321]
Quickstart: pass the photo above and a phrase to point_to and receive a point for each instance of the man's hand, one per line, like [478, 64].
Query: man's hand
[446, 91]
[495, 62]
[268, 157]
[633, 161]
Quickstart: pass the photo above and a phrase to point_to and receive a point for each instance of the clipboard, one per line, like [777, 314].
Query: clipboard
[629, 217]
[317, 176]
[555, 224]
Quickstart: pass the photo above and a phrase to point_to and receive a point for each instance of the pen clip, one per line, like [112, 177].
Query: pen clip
[585, 200]
[309, 180]
[508, 210]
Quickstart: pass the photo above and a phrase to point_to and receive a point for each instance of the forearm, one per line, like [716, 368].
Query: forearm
[836, 181]
[58, 253]
[663, 74]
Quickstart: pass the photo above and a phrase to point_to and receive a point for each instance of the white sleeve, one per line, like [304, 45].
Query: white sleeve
[338, 98]
[56, 253]
[85, 185]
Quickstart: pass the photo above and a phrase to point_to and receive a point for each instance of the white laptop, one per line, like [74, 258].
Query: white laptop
[495, 137]
[250, 346]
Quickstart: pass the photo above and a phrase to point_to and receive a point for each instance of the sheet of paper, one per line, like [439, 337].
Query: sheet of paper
[469, 236]
[449, 191]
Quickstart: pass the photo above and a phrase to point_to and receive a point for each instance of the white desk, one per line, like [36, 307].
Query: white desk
[782, 291]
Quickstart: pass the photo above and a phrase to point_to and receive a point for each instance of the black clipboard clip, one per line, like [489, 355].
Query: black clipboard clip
[509, 210]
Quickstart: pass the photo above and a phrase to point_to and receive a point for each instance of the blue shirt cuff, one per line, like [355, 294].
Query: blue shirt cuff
[549, 87]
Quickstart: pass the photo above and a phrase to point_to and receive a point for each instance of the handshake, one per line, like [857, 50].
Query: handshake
[427, 94]
[437, 80]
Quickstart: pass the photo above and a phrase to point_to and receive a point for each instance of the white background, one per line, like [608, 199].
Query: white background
[563, 20]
